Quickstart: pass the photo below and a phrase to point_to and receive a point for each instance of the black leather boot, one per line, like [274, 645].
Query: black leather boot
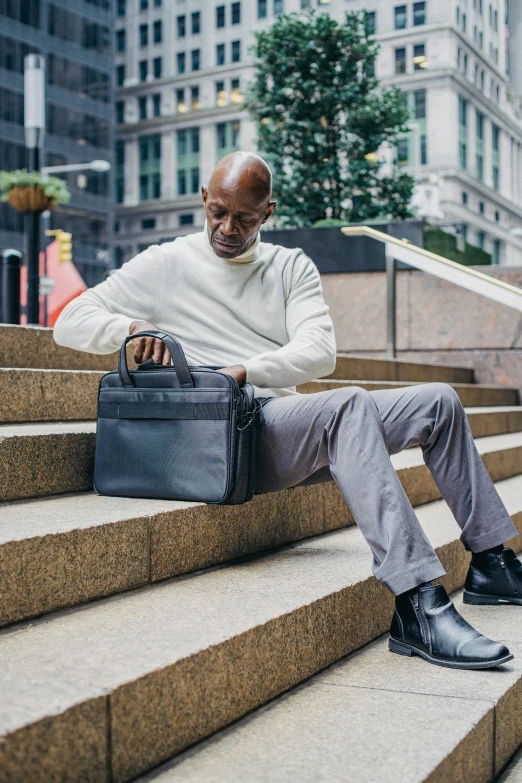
[426, 623]
[494, 579]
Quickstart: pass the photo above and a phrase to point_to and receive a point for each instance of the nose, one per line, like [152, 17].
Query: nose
[227, 226]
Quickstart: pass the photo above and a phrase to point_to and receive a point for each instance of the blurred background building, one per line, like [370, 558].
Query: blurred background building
[76, 38]
[181, 69]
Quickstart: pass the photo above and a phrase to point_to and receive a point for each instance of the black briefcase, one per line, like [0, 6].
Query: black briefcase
[175, 432]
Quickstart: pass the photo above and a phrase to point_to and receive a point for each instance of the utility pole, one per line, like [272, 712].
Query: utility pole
[34, 123]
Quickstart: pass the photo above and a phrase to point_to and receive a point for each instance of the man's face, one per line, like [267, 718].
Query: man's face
[234, 217]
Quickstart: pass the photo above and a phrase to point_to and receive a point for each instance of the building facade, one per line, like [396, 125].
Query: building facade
[182, 67]
[76, 37]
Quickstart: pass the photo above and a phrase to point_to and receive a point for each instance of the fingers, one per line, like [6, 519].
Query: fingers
[166, 355]
[145, 348]
[157, 348]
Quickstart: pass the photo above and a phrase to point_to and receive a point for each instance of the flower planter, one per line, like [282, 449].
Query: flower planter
[29, 199]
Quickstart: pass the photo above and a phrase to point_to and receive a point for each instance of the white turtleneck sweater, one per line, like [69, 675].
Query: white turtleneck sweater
[263, 309]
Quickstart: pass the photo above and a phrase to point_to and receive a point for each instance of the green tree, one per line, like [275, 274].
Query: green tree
[321, 118]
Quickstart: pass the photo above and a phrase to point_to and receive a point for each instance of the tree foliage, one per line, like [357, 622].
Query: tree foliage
[321, 118]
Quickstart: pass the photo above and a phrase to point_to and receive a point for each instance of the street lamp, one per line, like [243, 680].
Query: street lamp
[99, 166]
[34, 125]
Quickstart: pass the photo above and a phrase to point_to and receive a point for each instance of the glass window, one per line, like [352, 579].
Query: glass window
[187, 219]
[120, 40]
[144, 4]
[495, 137]
[221, 133]
[120, 112]
[236, 13]
[464, 22]
[144, 34]
[196, 23]
[144, 187]
[221, 95]
[306, 4]
[158, 3]
[195, 56]
[482, 207]
[194, 96]
[235, 127]
[158, 31]
[182, 182]
[181, 24]
[120, 75]
[403, 150]
[262, 9]
[142, 103]
[400, 60]
[181, 58]
[419, 13]
[144, 150]
[400, 17]
[423, 149]
[236, 51]
[419, 100]
[235, 91]
[419, 57]
[481, 239]
[220, 16]
[182, 143]
[148, 223]
[278, 7]
[156, 185]
[194, 180]
[157, 66]
[121, 7]
[464, 197]
[220, 54]
[156, 105]
[463, 139]
[144, 70]
[371, 22]
[496, 251]
[180, 101]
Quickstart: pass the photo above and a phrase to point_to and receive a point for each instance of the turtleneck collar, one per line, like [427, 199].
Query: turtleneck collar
[252, 254]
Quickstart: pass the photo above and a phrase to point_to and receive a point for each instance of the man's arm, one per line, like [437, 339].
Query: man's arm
[311, 351]
[99, 320]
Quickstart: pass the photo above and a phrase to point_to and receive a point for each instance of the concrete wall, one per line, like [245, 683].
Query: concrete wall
[437, 322]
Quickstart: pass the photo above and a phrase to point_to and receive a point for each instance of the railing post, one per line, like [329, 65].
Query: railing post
[10, 263]
[391, 329]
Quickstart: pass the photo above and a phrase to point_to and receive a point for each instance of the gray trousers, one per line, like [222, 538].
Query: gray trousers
[347, 435]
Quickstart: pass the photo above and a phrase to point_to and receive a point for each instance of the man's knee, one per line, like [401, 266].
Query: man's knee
[445, 396]
[350, 398]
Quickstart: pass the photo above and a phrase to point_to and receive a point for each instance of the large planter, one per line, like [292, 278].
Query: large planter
[29, 199]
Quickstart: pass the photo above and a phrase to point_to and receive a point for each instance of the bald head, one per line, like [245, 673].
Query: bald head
[237, 202]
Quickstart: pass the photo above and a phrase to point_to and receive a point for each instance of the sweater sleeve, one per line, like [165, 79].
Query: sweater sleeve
[98, 320]
[310, 352]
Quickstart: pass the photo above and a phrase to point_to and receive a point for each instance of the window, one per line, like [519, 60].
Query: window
[142, 106]
[194, 98]
[278, 7]
[120, 112]
[144, 4]
[188, 160]
[195, 57]
[371, 22]
[182, 183]
[196, 23]
[220, 54]
[157, 67]
[419, 57]
[158, 31]
[403, 151]
[463, 132]
[180, 101]
[181, 62]
[121, 7]
[194, 180]
[481, 39]
[220, 16]
[464, 20]
[419, 102]
[423, 149]
[306, 4]
[400, 61]
[144, 34]
[181, 24]
[120, 75]
[465, 68]
[150, 166]
[482, 208]
[221, 95]
[496, 251]
[497, 216]
[262, 9]
[464, 198]
[158, 3]
[481, 239]
[235, 47]
[144, 70]
[120, 40]
[419, 13]
[119, 173]
[236, 13]
[227, 137]
[400, 17]
[235, 91]
[187, 219]
[156, 105]
[479, 144]
[495, 21]
[482, 81]
[148, 223]
[495, 138]
[182, 143]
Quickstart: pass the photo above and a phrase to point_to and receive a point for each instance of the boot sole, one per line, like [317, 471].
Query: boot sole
[477, 599]
[402, 648]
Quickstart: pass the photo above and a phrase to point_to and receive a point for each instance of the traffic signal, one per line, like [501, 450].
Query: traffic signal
[64, 240]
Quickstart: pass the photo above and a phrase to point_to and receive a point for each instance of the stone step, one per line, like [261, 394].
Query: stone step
[349, 366]
[71, 549]
[53, 458]
[112, 689]
[513, 771]
[470, 394]
[30, 395]
[377, 717]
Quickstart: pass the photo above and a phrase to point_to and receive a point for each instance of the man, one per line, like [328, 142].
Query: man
[257, 310]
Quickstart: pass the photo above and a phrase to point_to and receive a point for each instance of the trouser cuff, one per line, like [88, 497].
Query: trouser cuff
[412, 576]
[498, 534]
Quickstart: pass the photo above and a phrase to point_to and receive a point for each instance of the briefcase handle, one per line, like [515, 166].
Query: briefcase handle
[176, 351]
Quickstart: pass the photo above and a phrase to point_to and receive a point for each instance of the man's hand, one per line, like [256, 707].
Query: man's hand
[148, 347]
[237, 371]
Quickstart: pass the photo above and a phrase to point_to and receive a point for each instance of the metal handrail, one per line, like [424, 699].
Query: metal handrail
[412, 255]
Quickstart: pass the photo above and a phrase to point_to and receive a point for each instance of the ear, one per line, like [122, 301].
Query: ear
[269, 211]
[204, 195]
